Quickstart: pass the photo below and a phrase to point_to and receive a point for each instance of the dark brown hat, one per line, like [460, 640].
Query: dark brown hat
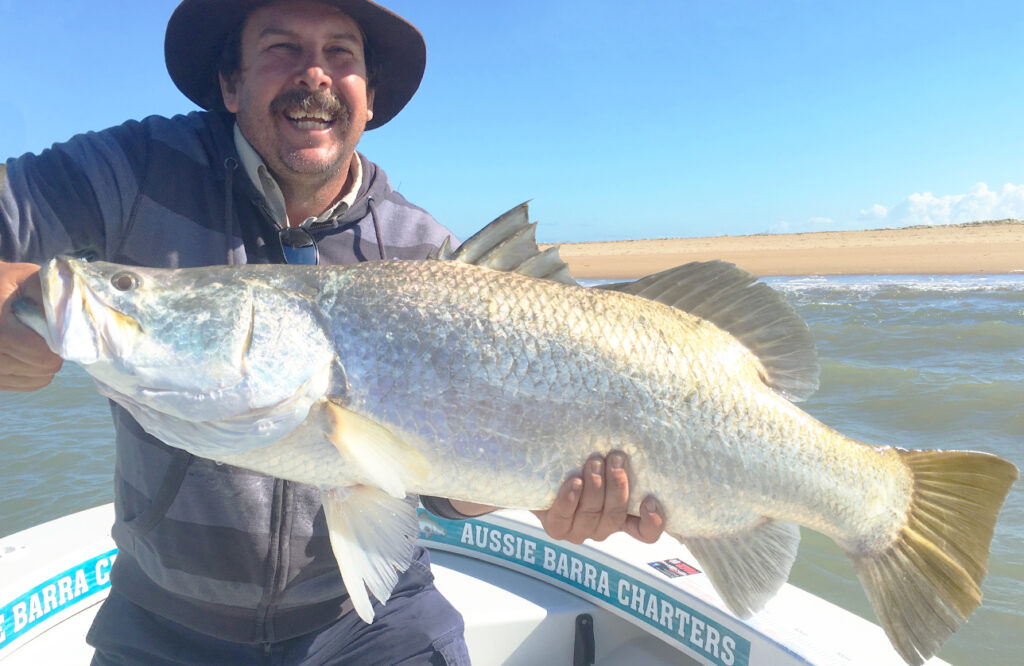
[198, 30]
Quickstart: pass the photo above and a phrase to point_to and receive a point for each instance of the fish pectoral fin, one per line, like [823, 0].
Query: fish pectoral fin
[383, 459]
[749, 567]
[372, 535]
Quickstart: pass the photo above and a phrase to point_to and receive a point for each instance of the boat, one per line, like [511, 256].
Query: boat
[526, 599]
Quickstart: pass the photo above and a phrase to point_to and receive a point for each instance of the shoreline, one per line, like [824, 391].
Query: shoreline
[974, 248]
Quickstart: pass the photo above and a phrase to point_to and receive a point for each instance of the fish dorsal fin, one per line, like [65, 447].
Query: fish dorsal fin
[444, 252]
[753, 312]
[509, 244]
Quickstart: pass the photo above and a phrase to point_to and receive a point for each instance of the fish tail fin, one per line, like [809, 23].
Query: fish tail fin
[928, 580]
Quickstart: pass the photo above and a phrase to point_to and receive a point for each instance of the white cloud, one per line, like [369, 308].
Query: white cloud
[812, 224]
[980, 203]
[876, 212]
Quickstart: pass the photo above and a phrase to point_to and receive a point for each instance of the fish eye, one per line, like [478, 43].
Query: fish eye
[125, 281]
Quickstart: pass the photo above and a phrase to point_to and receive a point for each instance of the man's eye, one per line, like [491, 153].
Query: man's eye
[284, 46]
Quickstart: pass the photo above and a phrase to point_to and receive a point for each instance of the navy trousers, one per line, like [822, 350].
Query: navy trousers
[414, 629]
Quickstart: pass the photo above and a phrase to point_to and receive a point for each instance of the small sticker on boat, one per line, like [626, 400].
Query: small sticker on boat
[674, 568]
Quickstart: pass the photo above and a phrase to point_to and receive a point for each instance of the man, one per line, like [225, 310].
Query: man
[219, 564]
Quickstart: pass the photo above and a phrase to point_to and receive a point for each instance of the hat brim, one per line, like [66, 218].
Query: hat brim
[198, 30]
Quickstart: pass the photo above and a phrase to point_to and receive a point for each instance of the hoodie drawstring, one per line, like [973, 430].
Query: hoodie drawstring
[376, 228]
[230, 165]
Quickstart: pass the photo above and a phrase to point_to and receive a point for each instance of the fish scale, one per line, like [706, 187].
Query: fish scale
[637, 402]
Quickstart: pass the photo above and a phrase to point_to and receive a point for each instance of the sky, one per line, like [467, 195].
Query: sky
[648, 119]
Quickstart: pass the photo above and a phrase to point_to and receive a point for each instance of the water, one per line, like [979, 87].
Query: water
[924, 362]
[917, 362]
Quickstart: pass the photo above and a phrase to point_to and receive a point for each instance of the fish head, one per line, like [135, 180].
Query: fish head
[141, 327]
[214, 345]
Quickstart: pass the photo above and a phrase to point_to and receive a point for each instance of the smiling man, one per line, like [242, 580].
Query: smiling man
[301, 99]
[218, 564]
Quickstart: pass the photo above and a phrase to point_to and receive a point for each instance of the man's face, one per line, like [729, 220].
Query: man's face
[300, 95]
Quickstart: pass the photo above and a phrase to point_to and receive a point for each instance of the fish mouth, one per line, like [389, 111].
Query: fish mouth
[79, 325]
[49, 318]
[33, 315]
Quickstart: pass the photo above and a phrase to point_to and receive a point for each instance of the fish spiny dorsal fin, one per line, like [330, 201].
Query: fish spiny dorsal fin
[445, 252]
[753, 312]
[509, 244]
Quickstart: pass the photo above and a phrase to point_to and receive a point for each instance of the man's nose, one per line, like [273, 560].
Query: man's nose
[313, 73]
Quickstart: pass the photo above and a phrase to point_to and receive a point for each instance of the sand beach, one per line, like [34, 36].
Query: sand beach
[979, 247]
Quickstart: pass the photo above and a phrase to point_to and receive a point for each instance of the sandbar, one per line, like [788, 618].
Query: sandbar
[995, 247]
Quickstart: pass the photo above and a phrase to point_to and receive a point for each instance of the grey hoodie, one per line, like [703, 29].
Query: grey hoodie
[224, 551]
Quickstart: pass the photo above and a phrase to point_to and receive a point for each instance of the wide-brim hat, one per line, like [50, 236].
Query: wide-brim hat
[198, 30]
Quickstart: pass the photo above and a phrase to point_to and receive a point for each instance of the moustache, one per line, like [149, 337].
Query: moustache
[319, 102]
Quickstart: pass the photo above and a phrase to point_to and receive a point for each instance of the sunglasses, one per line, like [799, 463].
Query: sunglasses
[298, 246]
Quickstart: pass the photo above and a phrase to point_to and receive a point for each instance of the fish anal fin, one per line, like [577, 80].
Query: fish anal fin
[379, 457]
[749, 567]
[751, 311]
[926, 583]
[372, 537]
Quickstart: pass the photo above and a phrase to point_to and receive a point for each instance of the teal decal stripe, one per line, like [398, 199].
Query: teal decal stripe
[50, 597]
[674, 620]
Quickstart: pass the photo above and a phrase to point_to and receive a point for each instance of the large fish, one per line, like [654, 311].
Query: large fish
[491, 376]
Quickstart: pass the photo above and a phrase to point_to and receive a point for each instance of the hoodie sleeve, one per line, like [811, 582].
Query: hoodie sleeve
[73, 198]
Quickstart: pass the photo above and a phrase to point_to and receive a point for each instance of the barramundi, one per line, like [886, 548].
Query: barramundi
[487, 374]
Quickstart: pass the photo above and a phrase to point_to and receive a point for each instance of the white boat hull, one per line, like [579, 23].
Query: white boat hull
[525, 598]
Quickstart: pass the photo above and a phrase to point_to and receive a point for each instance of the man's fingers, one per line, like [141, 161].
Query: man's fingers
[26, 352]
[21, 281]
[27, 380]
[558, 520]
[649, 525]
[26, 362]
[30, 361]
[31, 287]
[13, 382]
[588, 514]
[595, 506]
[616, 497]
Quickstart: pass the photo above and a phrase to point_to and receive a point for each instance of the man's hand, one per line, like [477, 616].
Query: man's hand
[593, 505]
[26, 363]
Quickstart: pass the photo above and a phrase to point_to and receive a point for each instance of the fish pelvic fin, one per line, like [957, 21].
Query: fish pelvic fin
[749, 567]
[382, 458]
[926, 583]
[751, 311]
[509, 244]
[372, 537]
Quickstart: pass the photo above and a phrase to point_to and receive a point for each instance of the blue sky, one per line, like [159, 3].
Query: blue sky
[671, 118]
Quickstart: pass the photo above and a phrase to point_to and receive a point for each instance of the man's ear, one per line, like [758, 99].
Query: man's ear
[369, 104]
[229, 92]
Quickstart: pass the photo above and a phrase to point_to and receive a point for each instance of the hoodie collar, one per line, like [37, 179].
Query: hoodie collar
[266, 184]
